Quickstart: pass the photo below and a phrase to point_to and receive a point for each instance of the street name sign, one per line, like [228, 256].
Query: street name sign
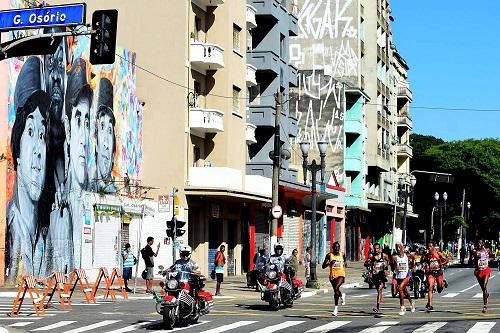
[49, 16]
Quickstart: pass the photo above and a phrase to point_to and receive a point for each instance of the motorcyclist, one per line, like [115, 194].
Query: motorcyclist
[278, 258]
[185, 263]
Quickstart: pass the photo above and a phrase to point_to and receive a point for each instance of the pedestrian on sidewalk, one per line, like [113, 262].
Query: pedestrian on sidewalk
[294, 261]
[337, 262]
[307, 262]
[129, 261]
[148, 255]
[259, 260]
[219, 262]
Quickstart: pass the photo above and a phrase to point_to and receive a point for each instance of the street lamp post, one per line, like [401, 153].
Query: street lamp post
[404, 193]
[464, 233]
[314, 168]
[440, 207]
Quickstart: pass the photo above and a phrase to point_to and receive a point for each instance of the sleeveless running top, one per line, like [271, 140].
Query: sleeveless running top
[482, 262]
[378, 265]
[434, 263]
[401, 267]
[336, 265]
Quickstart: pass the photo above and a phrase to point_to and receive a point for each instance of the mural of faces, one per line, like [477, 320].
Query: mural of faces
[105, 145]
[77, 137]
[55, 70]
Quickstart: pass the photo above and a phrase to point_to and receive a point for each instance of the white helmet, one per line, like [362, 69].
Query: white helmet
[185, 251]
[278, 246]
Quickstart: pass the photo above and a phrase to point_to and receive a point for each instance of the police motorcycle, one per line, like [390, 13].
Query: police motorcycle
[182, 299]
[368, 275]
[418, 280]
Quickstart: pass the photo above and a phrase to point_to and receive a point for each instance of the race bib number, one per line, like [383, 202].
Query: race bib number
[337, 264]
[379, 266]
[482, 263]
[402, 267]
[434, 265]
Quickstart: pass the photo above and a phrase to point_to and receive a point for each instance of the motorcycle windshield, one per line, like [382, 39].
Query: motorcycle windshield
[183, 276]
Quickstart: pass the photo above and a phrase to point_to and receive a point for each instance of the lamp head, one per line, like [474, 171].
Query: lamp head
[285, 154]
[322, 145]
[304, 147]
[413, 181]
[436, 196]
[445, 196]
[468, 205]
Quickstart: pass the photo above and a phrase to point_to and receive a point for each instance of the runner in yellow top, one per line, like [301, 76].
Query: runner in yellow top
[337, 263]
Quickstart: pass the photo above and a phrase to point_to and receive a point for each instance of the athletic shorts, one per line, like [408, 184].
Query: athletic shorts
[399, 281]
[482, 273]
[379, 278]
[436, 274]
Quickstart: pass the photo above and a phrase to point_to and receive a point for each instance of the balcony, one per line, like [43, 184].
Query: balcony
[294, 73]
[353, 163]
[251, 22]
[267, 8]
[250, 134]
[266, 61]
[353, 126]
[293, 28]
[251, 80]
[202, 121]
[203, 4]
[215, 177]
[404, 149]
[206, 56]
[405, 121]
[261, 115]
[382, 121]
[405, 92]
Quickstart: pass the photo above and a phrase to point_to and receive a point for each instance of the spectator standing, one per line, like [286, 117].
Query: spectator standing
[219, 262]
[148, 255]
[129, 261]
[294, 261]
[307, 262]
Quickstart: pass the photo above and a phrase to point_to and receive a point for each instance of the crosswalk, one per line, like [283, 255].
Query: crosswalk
[255, 326]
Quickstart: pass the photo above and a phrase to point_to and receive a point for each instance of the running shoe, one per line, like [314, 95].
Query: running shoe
[343, 298]
[445, 283]
[375, 309]
[335, 311]
[402, 311]
[413, 307]
[485, 309]
[430, 308]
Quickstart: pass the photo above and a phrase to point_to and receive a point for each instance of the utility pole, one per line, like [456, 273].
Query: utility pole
[276, 169]
[460, 229]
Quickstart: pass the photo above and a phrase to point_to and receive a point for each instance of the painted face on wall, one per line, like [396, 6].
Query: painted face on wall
[32, 155]
[55, 68]
[105, 145]
[79, 137]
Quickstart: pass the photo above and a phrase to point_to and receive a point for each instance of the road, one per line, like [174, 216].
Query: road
[457, 309]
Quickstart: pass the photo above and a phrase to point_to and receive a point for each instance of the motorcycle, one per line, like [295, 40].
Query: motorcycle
[419, 282]
[182, 299]
[368, 276]
[279, 288]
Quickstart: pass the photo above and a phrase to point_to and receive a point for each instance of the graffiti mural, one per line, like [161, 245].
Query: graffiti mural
[326, 55]
[73, 128]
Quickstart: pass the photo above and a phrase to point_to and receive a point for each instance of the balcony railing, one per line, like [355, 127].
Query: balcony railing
[405, 121]
[206, 56]
[405, 92]
[215, 177]
[404, 149]
[206, 120]
[250, 75]
[208, 3]
[251, 22]
[250, 134]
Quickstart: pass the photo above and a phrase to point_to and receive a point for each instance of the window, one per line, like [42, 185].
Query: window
[197, 91]
[282, 46]
[197, 27]
[236, 37]
[236, 99]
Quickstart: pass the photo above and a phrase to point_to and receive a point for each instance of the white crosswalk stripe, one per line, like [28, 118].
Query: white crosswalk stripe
[450, 295]
[183, 328]
[93, 326]
[278, 327]
[478, 295]
[54, 326]
[230, 327]
[380, 327]
[134, 327]
[21, 324]
[430, 327]
[482, 327]
[328, 327]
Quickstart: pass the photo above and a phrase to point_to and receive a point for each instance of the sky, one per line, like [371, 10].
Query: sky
[453, 50]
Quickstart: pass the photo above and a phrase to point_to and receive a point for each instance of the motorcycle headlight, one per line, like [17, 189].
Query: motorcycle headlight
[271, 274]
[172, 284]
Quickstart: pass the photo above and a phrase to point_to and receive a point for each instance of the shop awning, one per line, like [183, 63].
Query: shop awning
[224, 193]
[364, 209]
[381, 205]
[321, 198]
[105, 209]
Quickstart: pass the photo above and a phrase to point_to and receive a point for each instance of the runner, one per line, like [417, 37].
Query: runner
[403, 273]
[482, 272]
[434, 261]
[337, 262]
[378, 262]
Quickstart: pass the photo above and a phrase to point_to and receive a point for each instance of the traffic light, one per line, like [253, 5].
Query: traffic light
[179, 231]
[103, 41]
[171, 227]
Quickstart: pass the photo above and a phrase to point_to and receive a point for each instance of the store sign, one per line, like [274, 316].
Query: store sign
[132, 208]
[163, 203]
[49, 16]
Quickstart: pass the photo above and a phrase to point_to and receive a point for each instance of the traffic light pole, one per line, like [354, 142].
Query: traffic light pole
[173, 240]
[276, 172]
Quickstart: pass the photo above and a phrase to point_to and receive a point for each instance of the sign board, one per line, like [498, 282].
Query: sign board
[49, 16]
[163, 203]
[277, 211]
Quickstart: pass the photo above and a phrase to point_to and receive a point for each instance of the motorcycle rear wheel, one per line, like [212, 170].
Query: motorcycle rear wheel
[169, 318]
[416, 289]
[274, 303]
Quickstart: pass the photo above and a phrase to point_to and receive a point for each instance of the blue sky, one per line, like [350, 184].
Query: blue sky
[453, 50]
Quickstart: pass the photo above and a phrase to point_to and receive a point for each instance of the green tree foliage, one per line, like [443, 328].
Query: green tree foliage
[475, 165]
[456, 221]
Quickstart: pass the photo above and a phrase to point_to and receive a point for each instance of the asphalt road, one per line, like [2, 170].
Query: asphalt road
[457, 309]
